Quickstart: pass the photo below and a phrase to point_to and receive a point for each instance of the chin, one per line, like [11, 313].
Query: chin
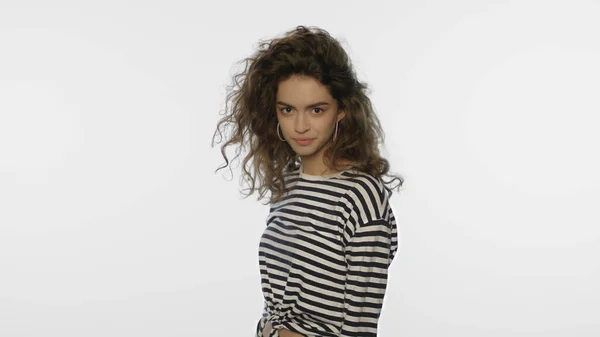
[305, 152]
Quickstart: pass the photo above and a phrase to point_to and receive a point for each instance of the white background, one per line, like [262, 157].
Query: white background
[113, 221]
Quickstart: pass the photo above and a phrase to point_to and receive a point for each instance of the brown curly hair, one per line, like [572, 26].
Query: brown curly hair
[304, 51]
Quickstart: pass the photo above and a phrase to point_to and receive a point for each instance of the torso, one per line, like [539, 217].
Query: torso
[287, 333]
[283, 332]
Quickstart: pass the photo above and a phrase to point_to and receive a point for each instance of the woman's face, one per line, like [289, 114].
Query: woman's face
[306, 110]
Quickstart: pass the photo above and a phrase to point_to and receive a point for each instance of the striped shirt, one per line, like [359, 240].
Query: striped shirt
[324, 255]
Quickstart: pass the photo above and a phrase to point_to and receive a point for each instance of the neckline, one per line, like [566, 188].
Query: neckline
[321, 177]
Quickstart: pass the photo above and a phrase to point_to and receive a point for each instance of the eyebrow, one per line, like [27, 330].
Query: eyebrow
[309, 106]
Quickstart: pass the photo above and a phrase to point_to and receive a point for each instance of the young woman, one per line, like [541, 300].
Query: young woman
[330, 234]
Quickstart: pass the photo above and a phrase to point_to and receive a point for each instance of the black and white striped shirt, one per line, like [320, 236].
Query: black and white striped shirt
[325, 253]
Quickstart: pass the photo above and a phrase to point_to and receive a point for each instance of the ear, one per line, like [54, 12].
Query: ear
[341, 115]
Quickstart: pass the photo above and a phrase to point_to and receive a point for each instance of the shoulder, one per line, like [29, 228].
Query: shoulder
[366, 198]
[365, 203]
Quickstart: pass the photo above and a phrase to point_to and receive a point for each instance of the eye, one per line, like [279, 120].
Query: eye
[283, 110]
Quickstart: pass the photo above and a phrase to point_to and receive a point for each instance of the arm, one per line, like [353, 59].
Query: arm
[368, 255]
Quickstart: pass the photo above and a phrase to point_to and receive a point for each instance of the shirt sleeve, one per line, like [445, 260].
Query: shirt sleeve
[370, 241]
[368, 256]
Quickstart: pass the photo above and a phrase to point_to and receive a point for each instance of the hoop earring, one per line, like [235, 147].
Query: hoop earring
[283, 140]
[336, 128]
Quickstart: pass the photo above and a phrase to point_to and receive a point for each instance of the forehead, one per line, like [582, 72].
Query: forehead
[298, 89]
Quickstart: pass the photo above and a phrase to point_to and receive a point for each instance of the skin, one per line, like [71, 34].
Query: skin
[288, 333]
[298, 119]
[282, 332]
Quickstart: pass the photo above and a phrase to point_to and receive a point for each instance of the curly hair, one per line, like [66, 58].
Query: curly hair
[303, 51]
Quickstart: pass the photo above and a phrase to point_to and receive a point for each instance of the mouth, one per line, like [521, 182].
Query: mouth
[303, 141]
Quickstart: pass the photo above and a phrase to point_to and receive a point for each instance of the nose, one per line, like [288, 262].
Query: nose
[301, 123]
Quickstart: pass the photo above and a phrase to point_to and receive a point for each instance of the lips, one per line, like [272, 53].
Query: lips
[304, 141]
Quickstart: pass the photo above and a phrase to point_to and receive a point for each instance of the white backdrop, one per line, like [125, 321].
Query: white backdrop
[114, 223]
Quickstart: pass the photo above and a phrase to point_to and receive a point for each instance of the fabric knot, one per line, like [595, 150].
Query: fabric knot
[269, 326]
